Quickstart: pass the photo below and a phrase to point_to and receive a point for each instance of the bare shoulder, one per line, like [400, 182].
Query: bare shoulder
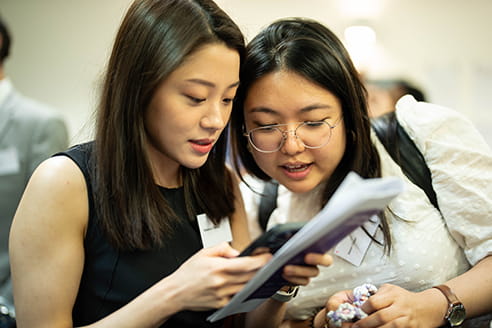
[58, 179]
[55, 197]
[58, 167]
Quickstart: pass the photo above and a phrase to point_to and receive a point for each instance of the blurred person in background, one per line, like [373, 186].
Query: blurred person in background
[384, 94]
[29, 133]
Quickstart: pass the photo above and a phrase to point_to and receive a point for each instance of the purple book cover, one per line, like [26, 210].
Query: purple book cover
[275, 282]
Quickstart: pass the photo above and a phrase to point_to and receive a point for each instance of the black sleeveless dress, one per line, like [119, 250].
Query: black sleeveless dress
[113, 278]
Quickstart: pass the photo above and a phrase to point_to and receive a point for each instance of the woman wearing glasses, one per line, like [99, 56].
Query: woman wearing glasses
[301, 119]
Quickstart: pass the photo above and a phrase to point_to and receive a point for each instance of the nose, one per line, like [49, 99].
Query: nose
[215, 117]
[292, 144]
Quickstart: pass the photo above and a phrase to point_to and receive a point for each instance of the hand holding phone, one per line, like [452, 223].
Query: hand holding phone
[272, 239]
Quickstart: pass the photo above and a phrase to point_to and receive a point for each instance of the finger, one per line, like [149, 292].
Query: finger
[379, 312]
[223, 250]
[215, 303]
[381, 318]
[377, 302]
[318, 259]
[296, 281]
[345, 296]
[299, 275]
[260, 250]
[301, 271]
[226, 284]
[230, 290]
[246, 263]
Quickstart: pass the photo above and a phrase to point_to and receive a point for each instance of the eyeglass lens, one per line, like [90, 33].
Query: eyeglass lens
[311, 134]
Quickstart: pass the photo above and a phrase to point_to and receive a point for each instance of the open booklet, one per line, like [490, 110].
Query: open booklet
[355, 201]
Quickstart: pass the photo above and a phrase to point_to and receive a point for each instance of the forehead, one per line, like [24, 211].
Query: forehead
[285, 93]
[211, 61]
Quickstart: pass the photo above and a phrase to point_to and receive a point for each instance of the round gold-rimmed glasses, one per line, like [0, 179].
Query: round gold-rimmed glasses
[312, 135]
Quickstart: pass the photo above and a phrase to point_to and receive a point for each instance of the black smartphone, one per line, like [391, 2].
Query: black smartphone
[273, 239]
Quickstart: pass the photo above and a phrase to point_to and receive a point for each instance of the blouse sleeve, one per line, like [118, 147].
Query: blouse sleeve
[460, 162]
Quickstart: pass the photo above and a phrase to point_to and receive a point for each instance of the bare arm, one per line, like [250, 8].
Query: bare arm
[46, 245]
[47, 258]
[473, 288]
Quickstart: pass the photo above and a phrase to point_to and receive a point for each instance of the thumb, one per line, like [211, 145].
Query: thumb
[223, 250]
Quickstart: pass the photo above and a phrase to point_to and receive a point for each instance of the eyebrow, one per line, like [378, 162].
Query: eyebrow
[307, 109]
[210, 84]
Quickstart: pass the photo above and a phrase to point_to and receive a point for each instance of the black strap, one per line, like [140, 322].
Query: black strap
[400, 147]
[268, 202]
[404, 152]
[6, 320]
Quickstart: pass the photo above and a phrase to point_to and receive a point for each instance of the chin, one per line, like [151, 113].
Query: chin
[196, 164]
[299, 187]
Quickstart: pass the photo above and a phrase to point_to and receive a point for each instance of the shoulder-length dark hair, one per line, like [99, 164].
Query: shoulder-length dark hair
[154, 38]
[310, 49]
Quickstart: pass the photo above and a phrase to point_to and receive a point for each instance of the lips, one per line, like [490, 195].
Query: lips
[298, 167]
[296, 171]
[202, 141]
[202, 146]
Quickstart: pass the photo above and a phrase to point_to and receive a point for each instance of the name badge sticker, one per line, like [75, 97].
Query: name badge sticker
[213, 234]
[354, 247]
[9, 161]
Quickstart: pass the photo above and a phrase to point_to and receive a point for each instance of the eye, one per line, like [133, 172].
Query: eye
[195, 100]
[266, 125]
[266, 128]
[227, 101]
[314, 124]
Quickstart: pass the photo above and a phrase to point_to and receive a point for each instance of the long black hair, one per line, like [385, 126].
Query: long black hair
[154, 39]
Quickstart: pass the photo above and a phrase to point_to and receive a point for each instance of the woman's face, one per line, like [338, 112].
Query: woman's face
[190, 109]
[284, 97]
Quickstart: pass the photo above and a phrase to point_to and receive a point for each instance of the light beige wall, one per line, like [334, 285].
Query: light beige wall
[61, 46]
[59, 51]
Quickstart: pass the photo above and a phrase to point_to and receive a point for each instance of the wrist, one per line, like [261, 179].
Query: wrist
[172, 294]
[150, 313]
[455, 312]
[433, 307]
